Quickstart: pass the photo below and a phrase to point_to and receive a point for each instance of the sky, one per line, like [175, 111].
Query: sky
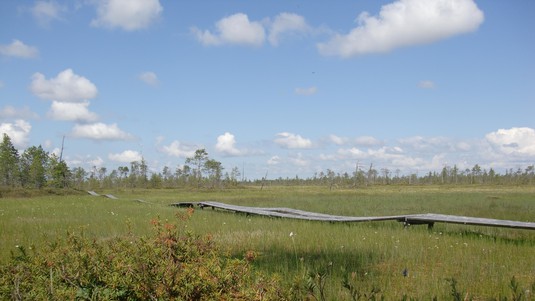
[283, 88]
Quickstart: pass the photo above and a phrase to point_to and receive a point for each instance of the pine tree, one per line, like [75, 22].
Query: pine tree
[9, 163]
[33, 163]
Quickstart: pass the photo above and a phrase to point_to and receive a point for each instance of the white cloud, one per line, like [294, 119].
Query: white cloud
[426, 84]
[100, 131]
[289, 140]
[46, 11]
[414, 141]
[177, 149]
[47, 144]
[127, 14]
[353, 152]
[360, 141]
[306, 91]
[65, 87]
[367, 141]
[19, 49]
[275, 160]
[404, 23]
[56, 151]
[382, 153]
[463, 146]
[226, 145]
[69, 111]
[19, 132]
[389, 157]
[428, 144]
[286, 23]
[126, 157]
[338, 140]
[299, 160]
[9, 112]
[98, 162]
[513, 141]
[234, 29]
[408, 162]
[150, 78]
[69, 94]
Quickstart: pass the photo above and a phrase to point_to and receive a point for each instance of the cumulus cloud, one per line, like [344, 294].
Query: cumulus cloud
[226, 144]
[69, 111]
[69, 93]
[10, 112]
[238, 29]
[65, 87]
[306, 91]
[99, 131]
[513, 141]
[234, 29]
[178, 149]
[150, 78]
[286, 23]
[19, 49]
[46, 11]
[404, 23]
[129, 15]
[289, 140]
[125, 157]
[18, 131]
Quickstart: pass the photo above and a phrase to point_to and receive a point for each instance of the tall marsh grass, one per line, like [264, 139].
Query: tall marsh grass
[399, 261]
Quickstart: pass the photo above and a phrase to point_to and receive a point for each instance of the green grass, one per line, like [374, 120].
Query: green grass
[482, 259]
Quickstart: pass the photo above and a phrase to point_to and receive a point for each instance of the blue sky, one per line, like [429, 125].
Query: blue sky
[284, 87]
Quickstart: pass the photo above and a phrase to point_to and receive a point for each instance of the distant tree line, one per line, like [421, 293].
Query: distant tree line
[36, 168]
[449, 175]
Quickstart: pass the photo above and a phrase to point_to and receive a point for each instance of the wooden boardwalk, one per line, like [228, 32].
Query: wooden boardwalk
[428, 219]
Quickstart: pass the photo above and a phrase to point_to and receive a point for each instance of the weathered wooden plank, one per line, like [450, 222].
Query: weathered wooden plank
[286, 213]
[91, 192]
[414, 219]
[467, 220]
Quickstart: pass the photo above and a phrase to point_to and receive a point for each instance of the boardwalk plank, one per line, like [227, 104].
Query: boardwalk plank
[411, 219]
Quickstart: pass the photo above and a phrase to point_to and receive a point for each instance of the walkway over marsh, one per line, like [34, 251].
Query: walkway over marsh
[412, 219]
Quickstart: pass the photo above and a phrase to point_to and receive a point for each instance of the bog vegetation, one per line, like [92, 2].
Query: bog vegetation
[60, 243]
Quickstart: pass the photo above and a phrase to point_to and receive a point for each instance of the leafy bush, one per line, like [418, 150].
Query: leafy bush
[170, 265]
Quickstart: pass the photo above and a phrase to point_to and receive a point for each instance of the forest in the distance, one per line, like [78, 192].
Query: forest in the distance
[36, 168]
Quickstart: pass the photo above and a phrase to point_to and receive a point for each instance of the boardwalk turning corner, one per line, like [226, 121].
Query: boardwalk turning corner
[428, 219]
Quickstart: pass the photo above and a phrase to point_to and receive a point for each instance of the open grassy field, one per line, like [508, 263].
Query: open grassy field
[481, 259]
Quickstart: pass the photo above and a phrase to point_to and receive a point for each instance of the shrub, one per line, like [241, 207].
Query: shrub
[169, 265]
